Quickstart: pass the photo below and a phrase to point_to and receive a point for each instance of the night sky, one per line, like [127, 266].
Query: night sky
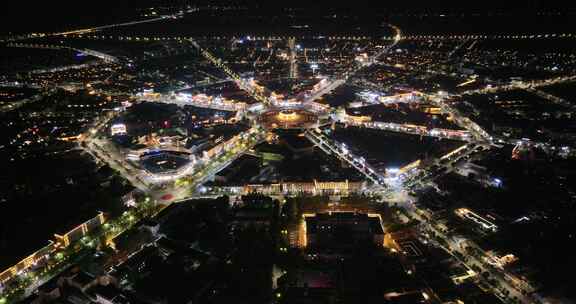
[26, 15]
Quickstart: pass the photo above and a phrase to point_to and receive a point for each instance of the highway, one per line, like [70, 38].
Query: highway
[109, 26]
[89, 30]
[94, 53]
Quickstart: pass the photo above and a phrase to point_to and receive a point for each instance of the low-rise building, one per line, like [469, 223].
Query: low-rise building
[342, 230]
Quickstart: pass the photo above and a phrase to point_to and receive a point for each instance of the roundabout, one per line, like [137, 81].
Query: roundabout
[284, 118]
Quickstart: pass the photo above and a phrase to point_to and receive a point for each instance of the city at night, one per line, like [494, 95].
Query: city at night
[264, 152]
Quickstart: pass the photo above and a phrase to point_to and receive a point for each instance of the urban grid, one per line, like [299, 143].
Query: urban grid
[235, 152]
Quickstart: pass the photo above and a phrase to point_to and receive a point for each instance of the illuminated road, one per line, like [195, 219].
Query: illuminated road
[445, 164]
[242, 83]
[199, 100]
[89, 30]
[108, 153]
[105, 152]
[94, 53]
[111, 156]
[479, 140]
[409, 129]
[417, 179]
[210, 169]
[439, 99]
[325, 90]
[454, 245]
[554, 99]
[520, 85]
[20, 103]
[189, 185]
[342, 152]
[357, 67]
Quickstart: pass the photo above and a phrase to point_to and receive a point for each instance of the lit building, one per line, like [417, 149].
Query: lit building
[118, 129]
[166, 163]
[316, 188]
[342, 230]
[80, 231]
[42, 255]
[36, 258]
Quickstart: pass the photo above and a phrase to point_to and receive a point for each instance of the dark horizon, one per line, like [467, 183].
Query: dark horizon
[23, 16]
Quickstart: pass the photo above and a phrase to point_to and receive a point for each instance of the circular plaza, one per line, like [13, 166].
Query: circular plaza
[288, 119]
[165, 163]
